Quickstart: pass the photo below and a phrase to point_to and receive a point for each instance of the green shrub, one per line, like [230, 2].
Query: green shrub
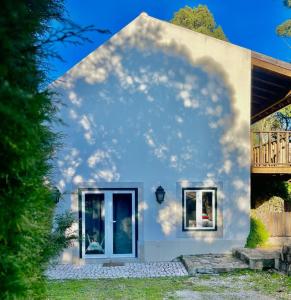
[61, 237]
[258, 235]
[27, 146]
[288, 184]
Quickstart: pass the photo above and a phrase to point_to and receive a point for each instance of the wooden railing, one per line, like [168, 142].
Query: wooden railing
[271, 149]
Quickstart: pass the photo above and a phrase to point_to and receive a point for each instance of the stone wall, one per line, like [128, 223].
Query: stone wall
[274, 204]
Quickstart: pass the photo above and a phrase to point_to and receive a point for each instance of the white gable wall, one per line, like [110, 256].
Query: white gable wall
[160, 105]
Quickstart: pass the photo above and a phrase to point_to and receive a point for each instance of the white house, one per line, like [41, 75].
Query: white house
[156, 105]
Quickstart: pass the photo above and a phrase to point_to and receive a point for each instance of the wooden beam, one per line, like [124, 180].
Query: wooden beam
[274, 107]
[260, 96]
[271, 170]
[267, 82]
[264, 90]
[271, 64]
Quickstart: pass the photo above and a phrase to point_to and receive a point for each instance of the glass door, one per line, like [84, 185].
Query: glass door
[123, 224]
[108, 224]
[93, 225]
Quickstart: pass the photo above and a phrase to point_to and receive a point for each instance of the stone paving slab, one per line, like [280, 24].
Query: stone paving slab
[258, 258]
[129, 270]
[212, 263]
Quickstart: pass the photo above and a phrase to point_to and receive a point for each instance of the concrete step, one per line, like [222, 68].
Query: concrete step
[212, 263]
[258, 258]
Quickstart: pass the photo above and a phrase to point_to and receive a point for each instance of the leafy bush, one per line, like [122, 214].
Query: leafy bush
[258, 235]
[288, 184]
[62, 236]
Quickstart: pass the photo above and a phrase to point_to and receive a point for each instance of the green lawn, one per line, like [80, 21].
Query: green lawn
[242, 284]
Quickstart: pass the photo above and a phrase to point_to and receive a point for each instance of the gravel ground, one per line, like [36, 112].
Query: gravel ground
[193, 295]
[223, 288]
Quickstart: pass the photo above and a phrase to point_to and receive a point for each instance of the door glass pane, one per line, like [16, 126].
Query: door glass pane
[207, 209]
[191, 209]
[122, 224]
[94, 224]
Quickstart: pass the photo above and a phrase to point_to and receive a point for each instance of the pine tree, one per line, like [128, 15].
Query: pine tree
[27, 144]
[284, 29]
[199, 19]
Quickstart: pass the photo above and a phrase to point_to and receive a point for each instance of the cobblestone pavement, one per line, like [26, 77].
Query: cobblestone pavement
[129, 270]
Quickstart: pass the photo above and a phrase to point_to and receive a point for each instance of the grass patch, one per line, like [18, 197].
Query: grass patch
[271, 284]
[147, 288]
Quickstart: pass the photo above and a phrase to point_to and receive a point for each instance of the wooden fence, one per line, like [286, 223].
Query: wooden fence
[278, 224]
[271, 148]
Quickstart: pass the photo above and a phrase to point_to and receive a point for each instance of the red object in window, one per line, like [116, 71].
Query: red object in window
[205, 217]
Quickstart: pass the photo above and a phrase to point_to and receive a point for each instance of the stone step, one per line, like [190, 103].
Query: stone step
[259, 258]
[212, 263]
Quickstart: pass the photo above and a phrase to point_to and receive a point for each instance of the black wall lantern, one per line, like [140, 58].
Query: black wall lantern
[56, 194]
[160, 194]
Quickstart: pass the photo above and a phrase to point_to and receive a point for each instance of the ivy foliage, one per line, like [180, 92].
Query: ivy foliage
[258, 235]
[199, 19]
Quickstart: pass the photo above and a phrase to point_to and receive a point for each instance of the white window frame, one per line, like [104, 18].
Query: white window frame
[199, 219]
[108, 213]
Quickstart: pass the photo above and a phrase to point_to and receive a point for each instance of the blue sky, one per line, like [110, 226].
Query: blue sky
[247, 23]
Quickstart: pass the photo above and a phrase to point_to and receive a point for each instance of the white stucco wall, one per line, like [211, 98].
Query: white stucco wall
[161, 105]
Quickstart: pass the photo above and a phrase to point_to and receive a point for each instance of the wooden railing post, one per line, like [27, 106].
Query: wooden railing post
[269, 147]
[287, 147]
[278, 147]
[260, 152]
[270, 153]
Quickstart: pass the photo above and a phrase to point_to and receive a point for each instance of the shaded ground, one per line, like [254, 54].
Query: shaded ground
[238, 285]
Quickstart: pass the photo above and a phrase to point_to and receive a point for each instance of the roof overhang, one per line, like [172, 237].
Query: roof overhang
[271, 86]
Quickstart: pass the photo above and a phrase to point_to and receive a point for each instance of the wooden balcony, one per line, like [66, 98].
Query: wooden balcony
[271, 152]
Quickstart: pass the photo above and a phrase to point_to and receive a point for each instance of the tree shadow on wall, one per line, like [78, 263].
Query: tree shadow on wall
[138, 109]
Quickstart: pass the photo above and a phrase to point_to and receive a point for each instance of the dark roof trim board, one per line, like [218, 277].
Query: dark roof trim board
[270, 63]
[271, 85]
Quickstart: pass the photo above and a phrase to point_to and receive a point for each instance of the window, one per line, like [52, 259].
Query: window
[108, 222]
[199, 209]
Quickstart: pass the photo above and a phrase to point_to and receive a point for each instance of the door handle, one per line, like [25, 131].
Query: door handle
[113, 221]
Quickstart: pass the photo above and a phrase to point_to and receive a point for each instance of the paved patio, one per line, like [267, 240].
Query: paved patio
[128, 270]
[189, 265]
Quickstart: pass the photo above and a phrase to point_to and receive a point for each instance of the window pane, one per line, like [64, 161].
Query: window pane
[94, 224]
[122, 226]
[207, 209]
[191, 209]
